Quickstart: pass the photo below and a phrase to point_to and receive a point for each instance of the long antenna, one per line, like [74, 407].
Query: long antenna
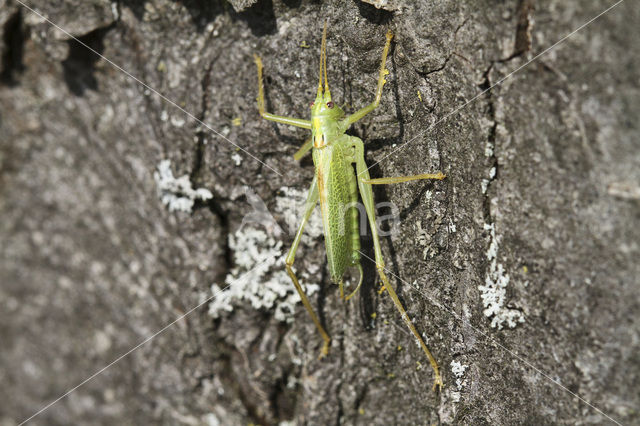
[320, 65]
[324, 54]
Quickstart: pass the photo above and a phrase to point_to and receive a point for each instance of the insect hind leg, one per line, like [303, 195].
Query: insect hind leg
[366, 193]
[437, 382]
[400, 179]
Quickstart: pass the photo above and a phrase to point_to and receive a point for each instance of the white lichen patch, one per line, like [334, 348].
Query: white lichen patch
[177, 193]
[458, 369]
[211, 420]
[493, 293]
[177, 120]
[488, 149]
[484, 185]
[237, 158]
[259, 277]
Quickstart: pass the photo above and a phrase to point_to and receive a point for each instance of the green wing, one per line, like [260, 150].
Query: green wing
[335, 173]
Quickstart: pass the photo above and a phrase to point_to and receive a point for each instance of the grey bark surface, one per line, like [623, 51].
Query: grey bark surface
[544, 168]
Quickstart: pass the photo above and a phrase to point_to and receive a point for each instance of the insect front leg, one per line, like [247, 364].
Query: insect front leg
[381, 81]
[298, 122]
[366, 193]
[312, 200]
[308, 144]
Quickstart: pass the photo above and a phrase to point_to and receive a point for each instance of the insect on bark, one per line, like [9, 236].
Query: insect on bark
[336, 186]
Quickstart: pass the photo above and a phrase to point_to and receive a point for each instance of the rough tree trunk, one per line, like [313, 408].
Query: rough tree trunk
[523, 262]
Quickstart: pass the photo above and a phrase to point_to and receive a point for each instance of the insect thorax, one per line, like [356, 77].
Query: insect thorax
[325, 130]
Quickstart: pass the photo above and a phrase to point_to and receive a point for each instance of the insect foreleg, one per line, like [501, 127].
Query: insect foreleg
[298, 122]
[381, 81]
[308, 144]
[312, 200]
[367, 197]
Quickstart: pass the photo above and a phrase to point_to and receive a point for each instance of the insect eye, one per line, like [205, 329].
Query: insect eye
[330, 104]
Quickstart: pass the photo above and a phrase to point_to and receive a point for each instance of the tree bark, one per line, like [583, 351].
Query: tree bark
[520, 269]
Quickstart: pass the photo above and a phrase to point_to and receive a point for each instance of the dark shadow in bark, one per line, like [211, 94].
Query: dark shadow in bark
[136, 7]
[292, 3]
[14, 36]
[260, 18]
[204, 11]
[322, 297]
[79, 66]
[373, 14]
